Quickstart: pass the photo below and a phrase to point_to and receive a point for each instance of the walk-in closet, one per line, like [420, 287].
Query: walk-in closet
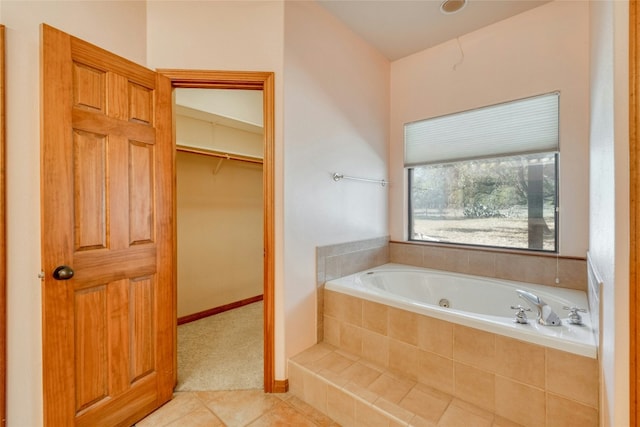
[219, 208]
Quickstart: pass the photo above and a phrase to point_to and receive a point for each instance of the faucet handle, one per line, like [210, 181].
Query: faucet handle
[574, 316]
[521, 316]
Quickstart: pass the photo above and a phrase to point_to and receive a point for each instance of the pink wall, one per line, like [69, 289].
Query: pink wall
[336, 101]
[609, 211]
[215, 35]
[539, 51]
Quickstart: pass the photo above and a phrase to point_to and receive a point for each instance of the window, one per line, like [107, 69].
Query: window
[486, 177]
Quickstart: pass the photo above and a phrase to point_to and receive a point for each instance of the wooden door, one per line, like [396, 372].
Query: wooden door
[634, 205]
[107, 215]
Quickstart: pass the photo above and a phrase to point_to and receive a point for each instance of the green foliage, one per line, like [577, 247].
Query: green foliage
[482, 188]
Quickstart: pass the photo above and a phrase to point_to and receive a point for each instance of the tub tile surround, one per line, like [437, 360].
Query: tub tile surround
[334, 261]
[530, 268]
[595, 285]
[378, 360]
[342, 259]
[389, 401]
[505, 379]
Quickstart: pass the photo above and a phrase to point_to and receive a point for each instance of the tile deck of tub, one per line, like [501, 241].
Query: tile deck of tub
[356, 392]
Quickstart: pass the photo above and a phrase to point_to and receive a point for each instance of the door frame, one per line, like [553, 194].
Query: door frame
[250, 80]
[634, 214]
[3, 240]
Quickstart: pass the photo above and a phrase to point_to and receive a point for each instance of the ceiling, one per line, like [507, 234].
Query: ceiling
[398, 28]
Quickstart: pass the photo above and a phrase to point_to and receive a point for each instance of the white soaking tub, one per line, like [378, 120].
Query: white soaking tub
[477, 302]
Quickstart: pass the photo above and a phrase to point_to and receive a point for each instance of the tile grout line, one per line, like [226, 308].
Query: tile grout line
[353, 394]
[372, 405]
[207, 407]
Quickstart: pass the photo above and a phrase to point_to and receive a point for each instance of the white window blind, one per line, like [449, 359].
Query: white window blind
[527, 125]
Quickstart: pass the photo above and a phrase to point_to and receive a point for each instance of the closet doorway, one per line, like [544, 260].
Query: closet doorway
[219, 206]
[224, 203]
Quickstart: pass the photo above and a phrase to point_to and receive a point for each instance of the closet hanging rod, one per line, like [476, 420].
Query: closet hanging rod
[338, 176]
[219, 154]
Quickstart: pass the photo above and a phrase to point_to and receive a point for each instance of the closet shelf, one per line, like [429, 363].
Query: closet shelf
[219, 154]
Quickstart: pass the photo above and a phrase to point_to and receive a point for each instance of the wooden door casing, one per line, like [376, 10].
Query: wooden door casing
[634, 215]
[107, 212]
[264, 81]
[3, 241]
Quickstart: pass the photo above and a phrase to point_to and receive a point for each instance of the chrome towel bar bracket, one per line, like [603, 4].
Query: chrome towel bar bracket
[338, 176]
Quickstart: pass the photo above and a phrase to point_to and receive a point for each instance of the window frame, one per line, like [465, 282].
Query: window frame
[409, 168]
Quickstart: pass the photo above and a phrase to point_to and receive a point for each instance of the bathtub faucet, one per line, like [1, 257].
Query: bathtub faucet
[546, 316]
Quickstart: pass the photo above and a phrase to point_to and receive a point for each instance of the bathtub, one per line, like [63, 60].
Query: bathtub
[477, 302]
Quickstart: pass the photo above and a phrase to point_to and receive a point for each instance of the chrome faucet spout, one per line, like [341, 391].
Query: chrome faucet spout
[545, 314]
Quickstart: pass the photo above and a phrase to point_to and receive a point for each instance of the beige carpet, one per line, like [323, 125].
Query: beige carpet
[222, 352]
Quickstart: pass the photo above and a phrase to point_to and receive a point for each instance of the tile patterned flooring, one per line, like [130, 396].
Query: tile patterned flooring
[356, 392]
[236, 408]
[253, 408]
